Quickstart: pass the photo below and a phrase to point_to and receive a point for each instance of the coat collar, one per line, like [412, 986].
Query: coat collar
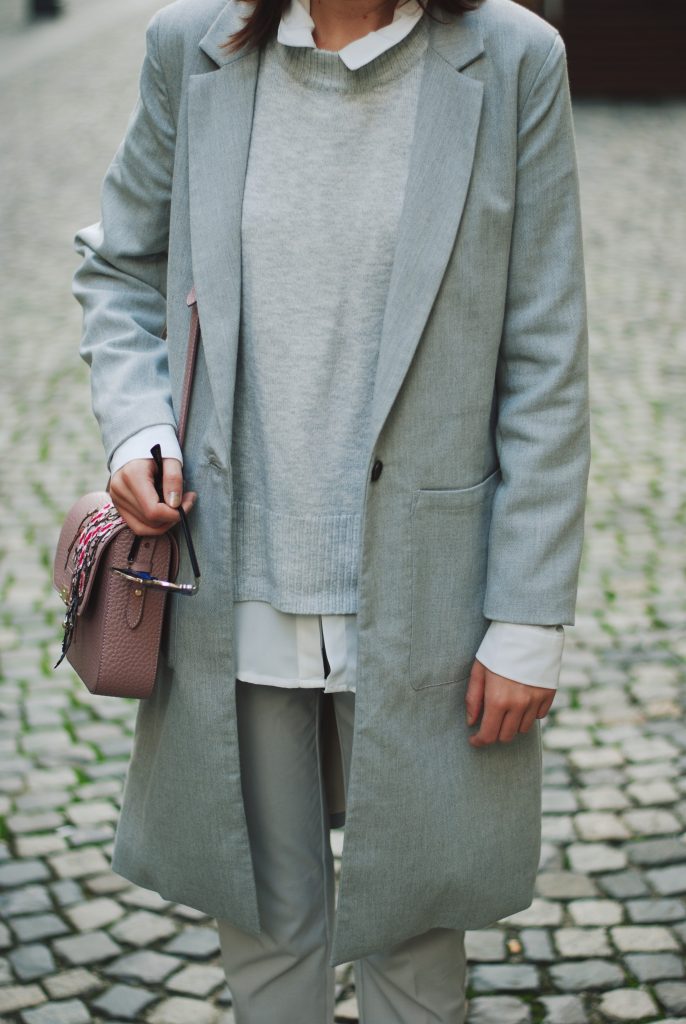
[220, 109]
[230, 19]
[457, 39]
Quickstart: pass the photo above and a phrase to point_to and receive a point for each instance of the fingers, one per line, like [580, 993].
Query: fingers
[491, 722]
[474, 696]
[510, 708]
[134, 495]
[546, 704]
[172, 482]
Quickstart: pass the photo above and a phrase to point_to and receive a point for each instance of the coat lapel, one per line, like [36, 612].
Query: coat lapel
[441, 159]
[220, 109]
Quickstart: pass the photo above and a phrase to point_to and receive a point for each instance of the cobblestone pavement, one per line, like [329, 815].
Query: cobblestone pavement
[604, 939]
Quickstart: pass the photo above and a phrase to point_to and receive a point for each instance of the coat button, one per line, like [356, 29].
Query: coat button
[376, 469]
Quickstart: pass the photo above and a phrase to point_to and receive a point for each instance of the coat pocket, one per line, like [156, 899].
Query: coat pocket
[449, 530]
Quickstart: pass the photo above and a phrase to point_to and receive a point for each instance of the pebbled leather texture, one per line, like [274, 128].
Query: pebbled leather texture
[116, 642]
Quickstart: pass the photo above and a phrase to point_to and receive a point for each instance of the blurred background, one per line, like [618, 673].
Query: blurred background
[605, 938]
[626, 48]
[629, 48]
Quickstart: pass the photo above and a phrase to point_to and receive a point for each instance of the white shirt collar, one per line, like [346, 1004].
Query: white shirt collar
[296, 25]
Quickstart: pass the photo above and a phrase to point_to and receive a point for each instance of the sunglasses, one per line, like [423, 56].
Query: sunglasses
[146, 579]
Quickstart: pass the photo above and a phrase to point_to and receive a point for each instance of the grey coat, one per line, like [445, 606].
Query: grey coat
[480, 418]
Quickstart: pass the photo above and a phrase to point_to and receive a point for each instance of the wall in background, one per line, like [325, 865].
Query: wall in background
[628, 48]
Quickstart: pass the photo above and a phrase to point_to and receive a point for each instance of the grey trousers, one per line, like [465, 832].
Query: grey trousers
[283, 975]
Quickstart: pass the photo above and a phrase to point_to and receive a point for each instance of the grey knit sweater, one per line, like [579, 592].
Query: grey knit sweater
[325, 181]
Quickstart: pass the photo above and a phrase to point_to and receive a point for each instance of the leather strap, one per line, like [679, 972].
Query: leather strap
[191, 359]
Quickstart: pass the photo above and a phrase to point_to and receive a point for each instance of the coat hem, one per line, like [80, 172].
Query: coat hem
[142, 880]
[343, 953]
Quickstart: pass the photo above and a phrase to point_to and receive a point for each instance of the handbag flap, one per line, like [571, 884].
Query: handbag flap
[75, 524]
[78, 520]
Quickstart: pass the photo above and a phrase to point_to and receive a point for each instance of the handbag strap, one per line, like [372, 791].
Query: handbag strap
[191, 359]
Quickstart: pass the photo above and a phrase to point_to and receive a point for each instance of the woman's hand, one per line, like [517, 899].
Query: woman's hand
[133, 493]
[509, 707]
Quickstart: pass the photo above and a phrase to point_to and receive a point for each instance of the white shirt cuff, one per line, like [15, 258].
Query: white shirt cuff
[139, 444]
[527, 654]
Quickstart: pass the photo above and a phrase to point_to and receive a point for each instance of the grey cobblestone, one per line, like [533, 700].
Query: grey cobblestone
[71, 1011]
[599, 825]
[142, 928]
[504, 977]
[95, 913]
[197, 943]
[146, 900]
[586, 975]
[610, 909]
[6, 975]
[32, 961]
[604, 798]
[624, 884]
[596, 912]
[643, 938]
[18, 823]
[66, 893]
[77, 863]
[657, 851]
[582, 942]
[106, 884]
[145, 966]
[672, 995]
[14, 873]
[537, 945]
[32, 899]
[595, 857]
[75, 982]
[18, 997]
[564, 1010]
[654, 910]
[197, 980]
[487, 944]
[668, 881]
[540, 913]
[628, 1004]
[498, 1010]
[655, 966]
[86, 949]
[39, 845]
[565, 885]
[180, 1010]
[125, 1001]
[652, 822]
[38, 926]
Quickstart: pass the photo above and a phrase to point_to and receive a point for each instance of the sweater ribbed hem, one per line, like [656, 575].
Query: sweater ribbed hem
[298, 563]
[324, 69]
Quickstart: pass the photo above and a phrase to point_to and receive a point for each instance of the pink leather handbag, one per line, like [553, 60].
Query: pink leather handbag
[115, 585]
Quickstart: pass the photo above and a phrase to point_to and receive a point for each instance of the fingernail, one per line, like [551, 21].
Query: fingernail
[174, 499]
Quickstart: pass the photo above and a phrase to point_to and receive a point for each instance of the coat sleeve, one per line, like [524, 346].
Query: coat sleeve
[121, 280]
[542, 432]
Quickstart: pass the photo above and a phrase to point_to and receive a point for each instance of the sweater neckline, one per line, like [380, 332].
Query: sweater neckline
[324, 69]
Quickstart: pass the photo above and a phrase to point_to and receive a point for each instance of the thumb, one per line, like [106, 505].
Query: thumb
[172, 482]
[474, 696]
